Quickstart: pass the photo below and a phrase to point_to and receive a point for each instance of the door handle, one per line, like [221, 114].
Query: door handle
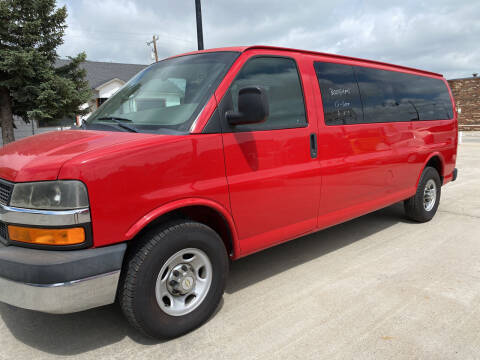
[313, 145]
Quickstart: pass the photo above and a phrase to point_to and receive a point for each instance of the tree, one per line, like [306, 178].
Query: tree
[30, 85]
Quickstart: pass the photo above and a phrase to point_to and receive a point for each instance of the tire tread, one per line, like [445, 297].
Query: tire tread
[414, 206]
[135, 259]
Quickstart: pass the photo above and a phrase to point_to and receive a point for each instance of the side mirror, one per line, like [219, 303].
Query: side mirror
[252, 107]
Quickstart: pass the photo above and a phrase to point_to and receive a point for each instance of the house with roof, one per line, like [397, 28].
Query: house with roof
[104, 78]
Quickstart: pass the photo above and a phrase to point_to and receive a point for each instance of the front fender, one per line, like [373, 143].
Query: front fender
[178, 204]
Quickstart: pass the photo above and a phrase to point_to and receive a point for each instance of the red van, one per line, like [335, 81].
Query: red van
[207, 157]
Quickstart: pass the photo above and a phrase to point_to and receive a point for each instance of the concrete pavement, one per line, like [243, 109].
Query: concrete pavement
[470, 137]
[375, 287]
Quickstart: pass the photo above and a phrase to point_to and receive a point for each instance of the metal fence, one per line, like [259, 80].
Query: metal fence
[24, 130]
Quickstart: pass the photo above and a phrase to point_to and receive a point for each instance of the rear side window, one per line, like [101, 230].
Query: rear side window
[340, 95]
[393, 96]
[385, 96]
[431, 99]
[279, 77]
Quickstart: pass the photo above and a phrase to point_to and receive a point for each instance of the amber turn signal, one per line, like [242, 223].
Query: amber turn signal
[45, 236]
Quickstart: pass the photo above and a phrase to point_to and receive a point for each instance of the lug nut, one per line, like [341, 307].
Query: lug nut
[176, 273]
[184, 268]
[173, 283]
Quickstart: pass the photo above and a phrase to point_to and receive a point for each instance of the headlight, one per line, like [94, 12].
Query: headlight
[50, 195]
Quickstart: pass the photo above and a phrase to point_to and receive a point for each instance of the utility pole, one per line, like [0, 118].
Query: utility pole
[154, 42]
[198, 9]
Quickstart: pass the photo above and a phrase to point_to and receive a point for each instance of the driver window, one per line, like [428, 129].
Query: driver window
[279, 77]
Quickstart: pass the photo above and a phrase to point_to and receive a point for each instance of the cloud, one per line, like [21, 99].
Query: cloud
[435, 35]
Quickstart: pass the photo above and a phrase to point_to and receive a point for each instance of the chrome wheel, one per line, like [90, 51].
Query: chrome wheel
[429, 195]
[183, 282]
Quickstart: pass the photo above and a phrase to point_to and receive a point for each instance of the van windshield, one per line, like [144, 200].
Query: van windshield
[167, 95]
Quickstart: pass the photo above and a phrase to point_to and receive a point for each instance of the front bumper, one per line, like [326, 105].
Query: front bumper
[61, 298]
[59, 282]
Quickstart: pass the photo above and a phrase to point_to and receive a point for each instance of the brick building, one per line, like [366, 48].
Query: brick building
[466, 92]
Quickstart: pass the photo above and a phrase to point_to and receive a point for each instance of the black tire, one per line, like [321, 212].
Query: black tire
[141, 269]
[414, 206]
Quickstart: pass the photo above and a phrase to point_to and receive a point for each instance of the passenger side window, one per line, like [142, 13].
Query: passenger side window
[280, 79]
[340, 95]
[395, 96]
[385, 95]
[356, 94]
[430, 98]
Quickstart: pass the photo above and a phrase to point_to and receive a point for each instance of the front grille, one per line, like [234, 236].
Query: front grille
[3, 232]
[6, 189]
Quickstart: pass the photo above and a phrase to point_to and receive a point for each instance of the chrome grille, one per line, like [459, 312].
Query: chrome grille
[3, 231]
[6, 189]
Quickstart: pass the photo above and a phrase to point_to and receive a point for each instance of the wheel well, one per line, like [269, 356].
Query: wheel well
[437, 164]
[201, 214]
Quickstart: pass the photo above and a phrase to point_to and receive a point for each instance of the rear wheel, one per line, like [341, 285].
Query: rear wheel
[424, 204]
[174, 280]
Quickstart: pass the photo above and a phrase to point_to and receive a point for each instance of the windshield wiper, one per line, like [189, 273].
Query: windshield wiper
[120, 122]
[113, 118]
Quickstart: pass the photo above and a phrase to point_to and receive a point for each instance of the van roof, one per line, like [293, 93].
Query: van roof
[342, 57]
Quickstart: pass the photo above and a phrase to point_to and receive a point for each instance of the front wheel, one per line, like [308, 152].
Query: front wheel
[174, 280]
[424, 204]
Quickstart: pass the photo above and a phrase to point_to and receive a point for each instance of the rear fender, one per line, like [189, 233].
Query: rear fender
[430, 157]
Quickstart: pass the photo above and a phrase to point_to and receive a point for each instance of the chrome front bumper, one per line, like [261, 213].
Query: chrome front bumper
[61, 298]
[60, 282]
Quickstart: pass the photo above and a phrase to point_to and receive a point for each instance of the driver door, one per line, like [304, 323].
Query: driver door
[271, 170]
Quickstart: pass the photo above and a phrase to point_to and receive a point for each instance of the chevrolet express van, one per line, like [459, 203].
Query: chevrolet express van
[205, 158]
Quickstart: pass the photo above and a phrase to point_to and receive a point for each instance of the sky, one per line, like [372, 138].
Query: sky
[436, 35]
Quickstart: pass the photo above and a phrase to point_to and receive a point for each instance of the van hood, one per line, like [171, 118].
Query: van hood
[40, 157]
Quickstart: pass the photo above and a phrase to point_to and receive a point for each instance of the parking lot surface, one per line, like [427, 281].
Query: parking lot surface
[375, 287]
